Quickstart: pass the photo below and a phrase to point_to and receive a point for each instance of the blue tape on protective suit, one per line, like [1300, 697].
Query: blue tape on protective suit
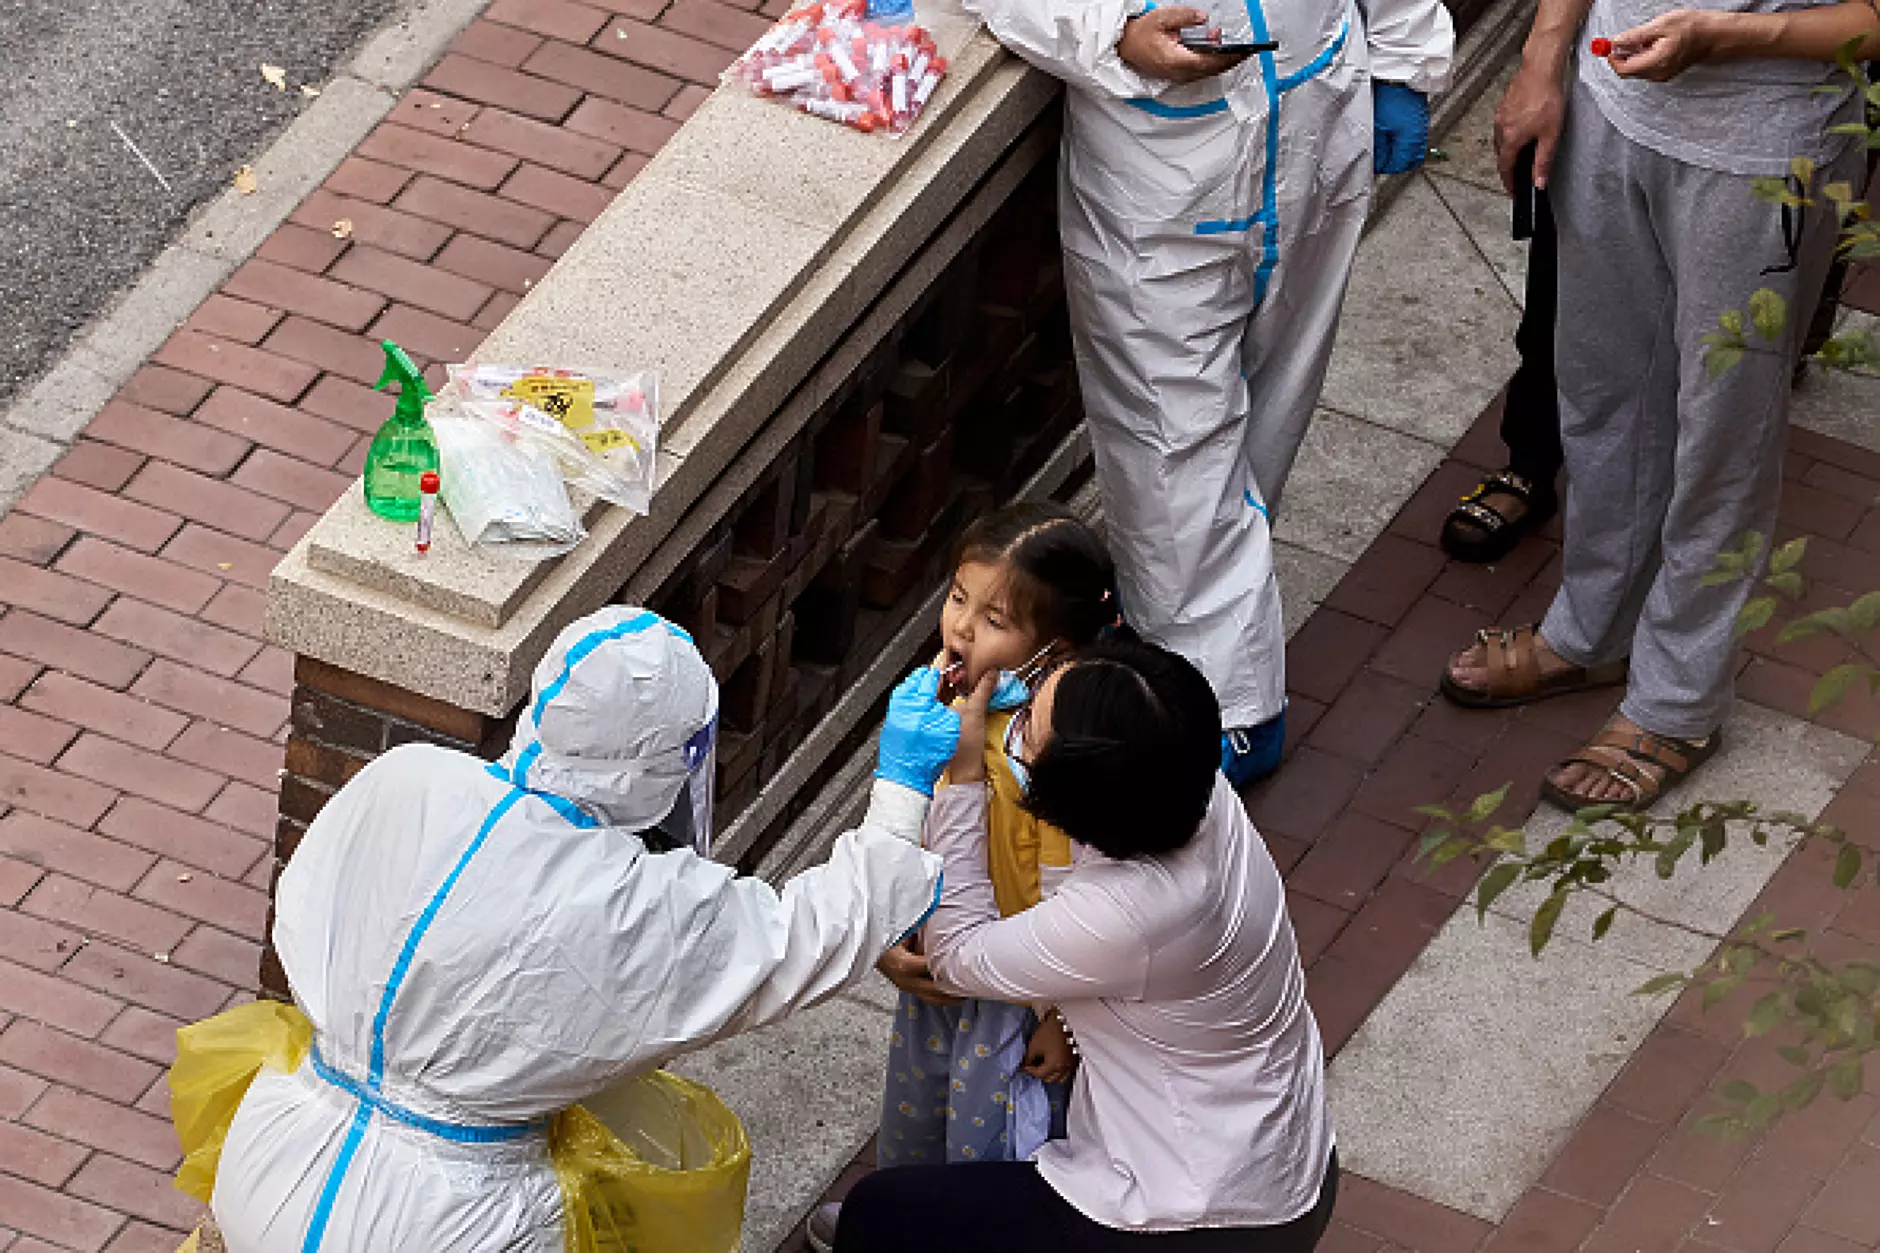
[456, 1133]
[587, 644]
[368, 1095]
[1155, 108]
[1267, 216]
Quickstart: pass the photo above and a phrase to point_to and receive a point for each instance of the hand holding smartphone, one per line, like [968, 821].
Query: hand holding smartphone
[1210, 39]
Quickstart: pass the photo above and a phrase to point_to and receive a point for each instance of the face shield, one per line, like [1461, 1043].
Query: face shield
[688, 824]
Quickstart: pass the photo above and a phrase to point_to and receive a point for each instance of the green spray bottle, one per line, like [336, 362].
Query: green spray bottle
[404, 448]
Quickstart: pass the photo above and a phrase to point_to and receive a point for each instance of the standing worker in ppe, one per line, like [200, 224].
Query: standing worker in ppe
[478, 947]
[1210, 207]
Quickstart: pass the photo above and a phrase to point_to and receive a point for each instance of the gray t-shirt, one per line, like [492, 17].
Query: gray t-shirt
[1740, 117]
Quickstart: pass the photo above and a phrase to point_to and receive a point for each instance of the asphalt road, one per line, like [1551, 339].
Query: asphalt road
[80, 216]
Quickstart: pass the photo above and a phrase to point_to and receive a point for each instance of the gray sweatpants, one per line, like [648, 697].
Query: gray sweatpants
[1667, 466]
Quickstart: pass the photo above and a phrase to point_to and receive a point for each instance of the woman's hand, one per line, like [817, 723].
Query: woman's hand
[1151, 46]
[1668, 45]
[907, 970]
[1532, 111]
[969, 756]
[1049, 1056]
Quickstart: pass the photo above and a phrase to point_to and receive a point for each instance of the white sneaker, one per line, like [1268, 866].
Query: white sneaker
[820, 1228]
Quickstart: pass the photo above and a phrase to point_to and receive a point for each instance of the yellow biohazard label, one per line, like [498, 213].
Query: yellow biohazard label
[569, 401]
[608, 438]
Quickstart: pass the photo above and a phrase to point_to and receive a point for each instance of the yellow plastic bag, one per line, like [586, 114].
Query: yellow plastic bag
[216, 1060]
[657, 1164]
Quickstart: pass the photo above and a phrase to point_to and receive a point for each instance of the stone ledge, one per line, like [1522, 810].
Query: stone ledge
[733, 325]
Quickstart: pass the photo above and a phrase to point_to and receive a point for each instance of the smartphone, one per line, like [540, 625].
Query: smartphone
[1210, 39]
[1524, 206]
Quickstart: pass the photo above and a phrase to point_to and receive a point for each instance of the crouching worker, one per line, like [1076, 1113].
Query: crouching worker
[480, 947]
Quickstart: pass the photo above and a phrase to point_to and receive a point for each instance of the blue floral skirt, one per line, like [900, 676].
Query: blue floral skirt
[956, 1091]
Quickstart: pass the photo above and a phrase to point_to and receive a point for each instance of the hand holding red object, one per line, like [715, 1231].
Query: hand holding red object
[1601, 47]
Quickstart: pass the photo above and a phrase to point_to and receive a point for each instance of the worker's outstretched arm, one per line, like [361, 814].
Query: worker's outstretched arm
[740, 954]
[1412, 42]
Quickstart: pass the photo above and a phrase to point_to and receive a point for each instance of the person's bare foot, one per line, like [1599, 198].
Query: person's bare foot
[1593, 783]
[1469, 668]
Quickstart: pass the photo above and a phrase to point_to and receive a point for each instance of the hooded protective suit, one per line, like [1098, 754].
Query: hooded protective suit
[1208, 232]
[479, 947]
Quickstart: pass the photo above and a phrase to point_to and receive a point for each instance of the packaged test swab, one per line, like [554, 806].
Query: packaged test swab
[846, 61]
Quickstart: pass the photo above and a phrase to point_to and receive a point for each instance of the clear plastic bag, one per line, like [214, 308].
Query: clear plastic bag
[865, 65]
[503, 488]
[604, 428]
[657, 1164]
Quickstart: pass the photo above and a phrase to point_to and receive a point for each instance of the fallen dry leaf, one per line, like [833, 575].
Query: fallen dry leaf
[309, 90]
[162, 957]
[225, 565]
[275, 75]
[245, 181]
[342, 229]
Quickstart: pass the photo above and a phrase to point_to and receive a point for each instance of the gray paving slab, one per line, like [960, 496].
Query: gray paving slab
[1469, 146]
[1351, 478]
[1780, 762]
[1469, 1077]
[809, 1094]
[1487, 219]
[1840, 403]
[1467, 1080]
[1427, 335]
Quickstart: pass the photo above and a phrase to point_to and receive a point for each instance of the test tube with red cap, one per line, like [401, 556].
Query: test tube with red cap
[428, 484]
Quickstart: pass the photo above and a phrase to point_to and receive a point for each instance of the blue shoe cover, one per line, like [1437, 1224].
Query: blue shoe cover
[1249, 754]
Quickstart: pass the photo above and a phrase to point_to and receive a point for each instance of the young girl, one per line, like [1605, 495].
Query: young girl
[979, 1080]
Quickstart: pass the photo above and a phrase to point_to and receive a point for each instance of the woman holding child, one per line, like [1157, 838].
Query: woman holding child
[1147, 924]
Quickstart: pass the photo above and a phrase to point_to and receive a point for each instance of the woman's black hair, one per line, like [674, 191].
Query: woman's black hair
[1062, 582]
[1134, 751]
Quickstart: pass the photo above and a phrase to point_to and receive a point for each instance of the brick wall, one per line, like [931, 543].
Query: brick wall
[825, 557]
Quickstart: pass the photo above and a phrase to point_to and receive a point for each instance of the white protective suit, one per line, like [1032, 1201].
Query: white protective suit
[1208, 233]
[479, 947]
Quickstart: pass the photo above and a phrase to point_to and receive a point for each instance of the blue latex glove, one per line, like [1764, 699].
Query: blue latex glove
[1401, 118]
[919, 736]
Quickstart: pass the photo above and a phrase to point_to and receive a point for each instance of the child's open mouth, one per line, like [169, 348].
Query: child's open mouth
[952, 676]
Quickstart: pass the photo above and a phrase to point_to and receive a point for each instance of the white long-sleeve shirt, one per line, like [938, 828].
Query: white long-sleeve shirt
[1201, 1101]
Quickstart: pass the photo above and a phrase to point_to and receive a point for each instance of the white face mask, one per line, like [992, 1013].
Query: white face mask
[1014, 747]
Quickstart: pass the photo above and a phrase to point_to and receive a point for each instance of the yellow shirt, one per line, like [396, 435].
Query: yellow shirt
[1019, 848]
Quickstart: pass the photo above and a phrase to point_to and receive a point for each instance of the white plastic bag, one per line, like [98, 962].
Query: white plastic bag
[604, 428]
[503, 490]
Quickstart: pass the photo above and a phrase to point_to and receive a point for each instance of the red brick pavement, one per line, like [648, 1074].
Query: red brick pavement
[142, 716]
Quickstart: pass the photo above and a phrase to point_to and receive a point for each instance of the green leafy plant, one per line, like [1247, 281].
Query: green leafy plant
[1760, 324]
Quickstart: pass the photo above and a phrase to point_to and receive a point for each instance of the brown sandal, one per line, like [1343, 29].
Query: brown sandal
[1644, 764]
[1514, 672]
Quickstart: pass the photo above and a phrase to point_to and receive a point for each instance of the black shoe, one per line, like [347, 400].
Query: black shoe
[1476, 533]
